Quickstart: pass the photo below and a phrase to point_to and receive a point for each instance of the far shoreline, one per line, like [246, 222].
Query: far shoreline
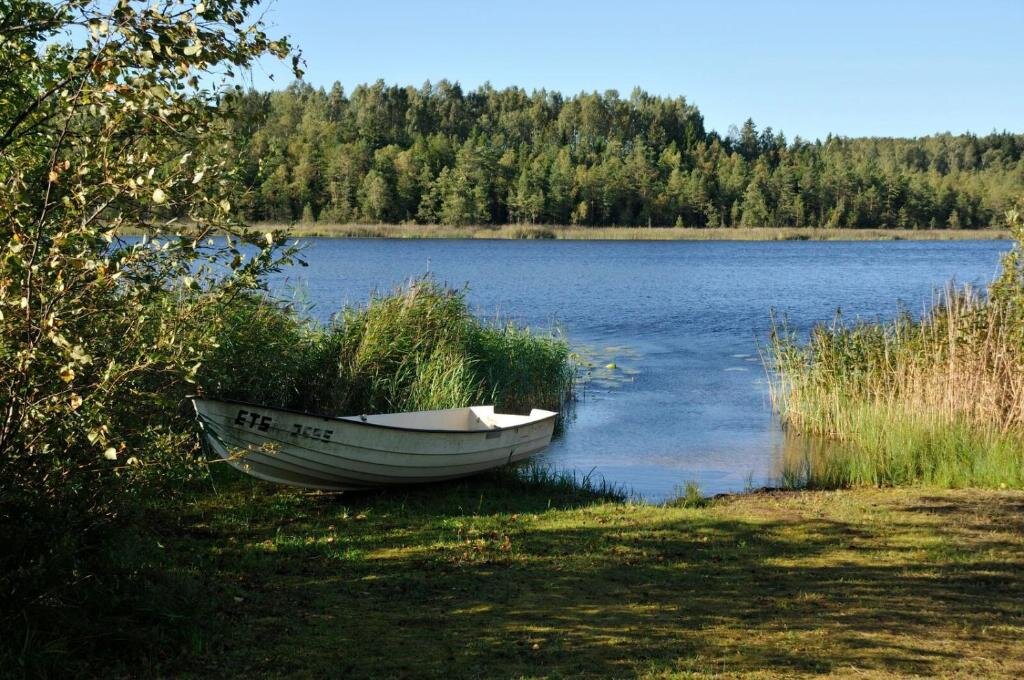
[575, 233]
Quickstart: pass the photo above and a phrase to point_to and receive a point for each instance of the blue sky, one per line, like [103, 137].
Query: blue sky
[897, 68]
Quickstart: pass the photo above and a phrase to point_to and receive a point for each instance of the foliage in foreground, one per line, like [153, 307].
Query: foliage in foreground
[106, 123]
[937, 400]
[418, 348]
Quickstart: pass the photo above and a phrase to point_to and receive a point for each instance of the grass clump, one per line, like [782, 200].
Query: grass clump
[534, 475]
[418, 348]
[531, 232]
[689, 496]
[937, 400]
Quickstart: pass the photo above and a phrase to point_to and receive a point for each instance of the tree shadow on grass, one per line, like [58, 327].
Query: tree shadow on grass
[475, 579]
[611, 592]
[981, 511]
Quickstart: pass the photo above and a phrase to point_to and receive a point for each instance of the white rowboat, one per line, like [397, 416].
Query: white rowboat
[358, 452]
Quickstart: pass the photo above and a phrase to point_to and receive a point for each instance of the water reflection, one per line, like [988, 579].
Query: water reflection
[795, 456]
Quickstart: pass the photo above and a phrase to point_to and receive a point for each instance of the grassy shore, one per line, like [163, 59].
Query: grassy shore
[502, 578]
[516, 231]
[932, 400]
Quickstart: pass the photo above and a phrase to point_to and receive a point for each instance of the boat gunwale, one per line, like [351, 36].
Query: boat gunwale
[346, 419]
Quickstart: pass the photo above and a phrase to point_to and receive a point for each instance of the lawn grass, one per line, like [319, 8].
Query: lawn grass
[565, 232]
[502, 578]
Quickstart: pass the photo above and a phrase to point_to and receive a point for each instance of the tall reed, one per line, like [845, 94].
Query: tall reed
[937, 400]
[417, 348]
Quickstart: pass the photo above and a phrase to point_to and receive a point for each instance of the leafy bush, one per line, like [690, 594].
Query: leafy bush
[106, 123]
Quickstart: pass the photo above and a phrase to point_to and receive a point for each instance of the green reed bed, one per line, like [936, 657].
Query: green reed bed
[888, 447]
[937, 400]
[417, 348]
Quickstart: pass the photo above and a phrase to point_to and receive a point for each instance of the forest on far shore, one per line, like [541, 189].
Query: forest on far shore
[439, 155]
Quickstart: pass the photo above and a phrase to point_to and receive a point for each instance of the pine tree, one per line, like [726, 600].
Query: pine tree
[595, 159]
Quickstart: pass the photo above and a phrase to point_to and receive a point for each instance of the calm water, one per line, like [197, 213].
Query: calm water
[682, 322]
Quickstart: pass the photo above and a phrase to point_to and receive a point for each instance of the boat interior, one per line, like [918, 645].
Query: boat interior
[471, 419]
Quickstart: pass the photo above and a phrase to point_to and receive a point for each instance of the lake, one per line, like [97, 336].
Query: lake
[682, 322]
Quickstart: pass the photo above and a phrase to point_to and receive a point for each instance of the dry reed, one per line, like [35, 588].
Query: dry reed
[935, 400]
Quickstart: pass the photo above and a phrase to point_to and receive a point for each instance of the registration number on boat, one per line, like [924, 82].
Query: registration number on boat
[257, 421]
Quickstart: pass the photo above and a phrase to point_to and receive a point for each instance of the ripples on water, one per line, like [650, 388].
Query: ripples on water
[682, 322]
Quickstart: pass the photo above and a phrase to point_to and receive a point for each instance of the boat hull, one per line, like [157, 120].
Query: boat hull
[317, 452]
